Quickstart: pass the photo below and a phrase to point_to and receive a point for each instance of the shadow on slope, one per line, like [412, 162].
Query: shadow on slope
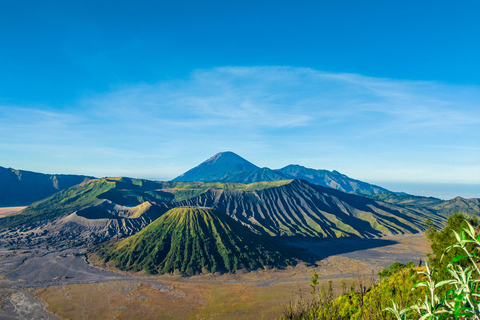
[314, 249]
[303, 209]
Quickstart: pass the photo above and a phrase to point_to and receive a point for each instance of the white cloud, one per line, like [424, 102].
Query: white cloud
[281, 97]
[274, 114]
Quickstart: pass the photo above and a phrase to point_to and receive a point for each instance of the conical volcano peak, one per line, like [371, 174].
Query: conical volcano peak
[193, 240]
[217, 168]
[230, 158]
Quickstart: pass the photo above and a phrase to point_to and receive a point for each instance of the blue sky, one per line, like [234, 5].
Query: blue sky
[383, 91]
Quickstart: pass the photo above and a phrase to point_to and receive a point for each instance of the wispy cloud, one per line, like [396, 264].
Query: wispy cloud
[264, 113]
[262, 100]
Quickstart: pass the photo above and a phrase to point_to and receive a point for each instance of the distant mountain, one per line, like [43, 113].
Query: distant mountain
[217, 168]
[445, 207]
[193, 240]
[302, 208]
[22, 188]
[229, 167]
[332, 179]
[459, 204]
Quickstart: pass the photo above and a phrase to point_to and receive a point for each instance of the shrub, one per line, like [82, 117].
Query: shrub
[461, 299]
[449, 290]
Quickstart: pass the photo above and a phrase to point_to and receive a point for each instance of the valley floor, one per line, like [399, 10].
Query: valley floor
[41, 283]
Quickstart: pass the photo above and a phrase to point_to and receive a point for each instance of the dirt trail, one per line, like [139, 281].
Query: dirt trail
[23, 305]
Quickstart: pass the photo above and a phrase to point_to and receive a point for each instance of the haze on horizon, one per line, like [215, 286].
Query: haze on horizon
[382, 92]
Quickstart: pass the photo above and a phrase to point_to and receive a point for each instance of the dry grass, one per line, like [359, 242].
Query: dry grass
[124, 300]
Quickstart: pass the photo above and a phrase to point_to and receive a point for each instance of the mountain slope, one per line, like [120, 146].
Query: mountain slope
[193, 240]
[301, 208]
[288, 207]
[459, 204]
[122, 191]
[21, 188]
[229, 167]
[217, 167]
[258, 175]
[445, 207]
[332, 179]
[100, 222]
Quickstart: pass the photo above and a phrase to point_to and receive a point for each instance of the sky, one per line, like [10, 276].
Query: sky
[382, 91]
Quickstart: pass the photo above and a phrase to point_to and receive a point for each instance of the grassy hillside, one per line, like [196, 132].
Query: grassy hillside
[288, 207]
[61, 203]
[123, 191]
[191, 240]
[186, 190]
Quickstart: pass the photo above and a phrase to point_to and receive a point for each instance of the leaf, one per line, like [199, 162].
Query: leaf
[444, 282]
[458, 258]
[421, 284]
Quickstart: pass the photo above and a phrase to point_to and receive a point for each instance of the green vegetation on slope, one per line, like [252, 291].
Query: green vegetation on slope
[441, 239]
[288, 207]
[123, 191]
[302, 208]
[61, 203]
[449, 290]
[357, 302]
[407, 200]
[193, 240]
[186, 190]
[444, 207]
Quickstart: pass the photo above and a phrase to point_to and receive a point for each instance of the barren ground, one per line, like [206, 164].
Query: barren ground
[68, 286]
[7, 211]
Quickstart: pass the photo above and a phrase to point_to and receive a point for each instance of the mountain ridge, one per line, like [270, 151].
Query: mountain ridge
[332, 179]
[219, 169]
[22, 187]
[304, 209]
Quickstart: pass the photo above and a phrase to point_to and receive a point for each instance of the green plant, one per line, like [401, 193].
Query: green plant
[461, 300]
[318, 307]
[442, 239]
[314, 282]
[394, 268]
